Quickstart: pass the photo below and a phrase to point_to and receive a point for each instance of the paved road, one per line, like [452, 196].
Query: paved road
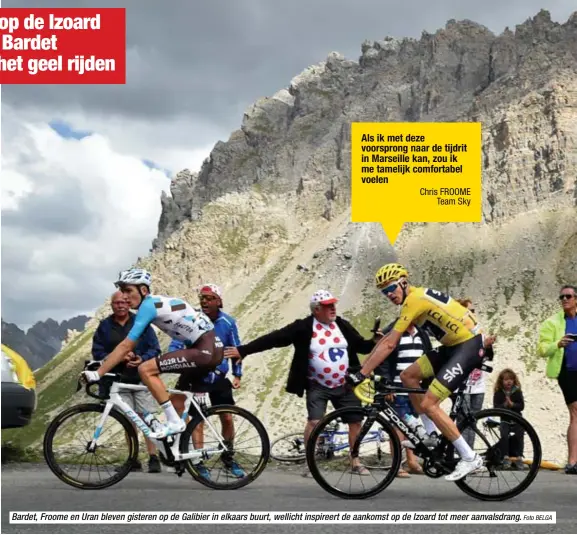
[29, 487]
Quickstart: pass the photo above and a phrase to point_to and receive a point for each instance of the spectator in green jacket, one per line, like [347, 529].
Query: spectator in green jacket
[558, 344]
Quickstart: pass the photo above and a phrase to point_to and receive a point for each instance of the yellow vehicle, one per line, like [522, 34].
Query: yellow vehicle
[18, 390]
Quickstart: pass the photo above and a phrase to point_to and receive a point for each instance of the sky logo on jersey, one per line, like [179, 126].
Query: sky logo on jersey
[336, 354]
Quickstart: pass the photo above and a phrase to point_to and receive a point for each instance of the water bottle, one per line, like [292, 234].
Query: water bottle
[415, 426]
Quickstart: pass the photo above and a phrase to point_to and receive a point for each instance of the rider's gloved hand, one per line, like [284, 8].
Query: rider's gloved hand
[89, 377]
[355, 379]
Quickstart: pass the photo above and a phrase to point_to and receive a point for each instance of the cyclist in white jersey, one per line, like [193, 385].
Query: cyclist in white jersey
[203, 350]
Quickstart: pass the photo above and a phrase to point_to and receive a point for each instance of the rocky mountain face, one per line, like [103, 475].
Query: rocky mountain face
[42, 341]
[520, 85]
[268, 215]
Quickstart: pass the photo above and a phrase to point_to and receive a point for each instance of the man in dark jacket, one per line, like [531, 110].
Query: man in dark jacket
[325, 345]
[110, 332]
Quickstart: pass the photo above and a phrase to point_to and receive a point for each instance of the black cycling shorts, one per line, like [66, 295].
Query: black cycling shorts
[451, 365]
[206, 354]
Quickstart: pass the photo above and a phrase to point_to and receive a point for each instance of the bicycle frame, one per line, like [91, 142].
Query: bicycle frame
[115, 400]
[382, 406]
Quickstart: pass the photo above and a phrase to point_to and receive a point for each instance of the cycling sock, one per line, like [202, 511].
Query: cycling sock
[463, 449]
[170, 412]
[430, 426]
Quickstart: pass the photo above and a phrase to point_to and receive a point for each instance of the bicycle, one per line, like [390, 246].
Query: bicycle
[438, 460]
[173, 450]
[332, 441]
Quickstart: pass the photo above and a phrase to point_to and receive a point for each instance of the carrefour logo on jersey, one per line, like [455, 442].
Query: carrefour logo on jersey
[336, 354]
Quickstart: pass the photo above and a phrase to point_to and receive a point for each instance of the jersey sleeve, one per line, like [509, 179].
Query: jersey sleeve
[144, 317]
[409, 312]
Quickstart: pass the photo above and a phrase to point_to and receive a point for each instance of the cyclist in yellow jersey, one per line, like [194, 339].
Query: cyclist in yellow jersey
[461, 350]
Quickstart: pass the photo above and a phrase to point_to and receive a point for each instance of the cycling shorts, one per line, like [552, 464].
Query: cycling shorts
[451, 365]
[206, 354]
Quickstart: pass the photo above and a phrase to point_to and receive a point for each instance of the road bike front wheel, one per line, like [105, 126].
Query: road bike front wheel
[511, 461]
[336, 474]
[246, 439]
[67, 446]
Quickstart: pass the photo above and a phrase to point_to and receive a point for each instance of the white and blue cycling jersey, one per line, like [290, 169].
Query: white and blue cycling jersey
[173, 316]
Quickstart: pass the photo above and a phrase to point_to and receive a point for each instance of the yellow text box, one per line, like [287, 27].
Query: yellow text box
[415, 172]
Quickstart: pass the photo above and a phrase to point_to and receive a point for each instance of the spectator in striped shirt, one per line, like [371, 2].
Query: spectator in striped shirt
[413, 343]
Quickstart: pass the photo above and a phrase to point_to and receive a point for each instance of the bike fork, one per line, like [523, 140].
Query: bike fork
[98, 430]
[365, 428]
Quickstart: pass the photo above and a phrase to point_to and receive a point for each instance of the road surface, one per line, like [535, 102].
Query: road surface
[35, 488]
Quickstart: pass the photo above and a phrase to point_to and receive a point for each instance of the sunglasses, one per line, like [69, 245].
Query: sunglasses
[208, 298]
[565, 296]
[390, 288]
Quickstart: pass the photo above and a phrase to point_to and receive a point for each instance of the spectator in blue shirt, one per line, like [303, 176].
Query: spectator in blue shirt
[110, 332]
[218, 386]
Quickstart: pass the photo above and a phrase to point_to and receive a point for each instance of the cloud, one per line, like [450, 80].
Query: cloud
[76, 157]
[76, 212]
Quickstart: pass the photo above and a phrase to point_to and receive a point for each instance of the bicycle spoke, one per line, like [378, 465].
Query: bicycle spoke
[69, 436]
[335, 473]
[247, 448]
[502, 478]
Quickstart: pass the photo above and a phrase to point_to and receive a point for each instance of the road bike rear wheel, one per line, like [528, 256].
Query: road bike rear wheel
[500, 430]
[289, 448]
[335, 475]
[59, 451]
[248, 453]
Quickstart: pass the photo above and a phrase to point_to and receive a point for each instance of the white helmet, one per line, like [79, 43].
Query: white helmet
[134, 276]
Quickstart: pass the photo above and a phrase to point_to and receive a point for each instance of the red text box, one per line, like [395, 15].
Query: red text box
[62, 45]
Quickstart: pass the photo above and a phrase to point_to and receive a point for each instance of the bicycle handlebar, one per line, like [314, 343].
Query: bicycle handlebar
[92, 365]
[357, 391]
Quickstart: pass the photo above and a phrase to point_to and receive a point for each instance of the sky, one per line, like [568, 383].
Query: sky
[83, 167]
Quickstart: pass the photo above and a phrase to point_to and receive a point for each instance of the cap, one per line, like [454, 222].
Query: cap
[210, 288]
[322, 297]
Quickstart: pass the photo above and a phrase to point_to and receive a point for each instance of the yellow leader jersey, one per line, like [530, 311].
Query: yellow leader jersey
[439, 314]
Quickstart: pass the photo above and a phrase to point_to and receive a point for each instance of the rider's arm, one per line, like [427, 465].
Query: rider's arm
[148, 346]
[278, 338]
[382, 350]
[146, 313]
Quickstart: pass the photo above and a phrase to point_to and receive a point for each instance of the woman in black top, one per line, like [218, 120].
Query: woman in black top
[508, 395]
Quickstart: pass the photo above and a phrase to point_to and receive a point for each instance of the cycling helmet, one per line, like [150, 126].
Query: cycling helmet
[389, 273]
[134, 276]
